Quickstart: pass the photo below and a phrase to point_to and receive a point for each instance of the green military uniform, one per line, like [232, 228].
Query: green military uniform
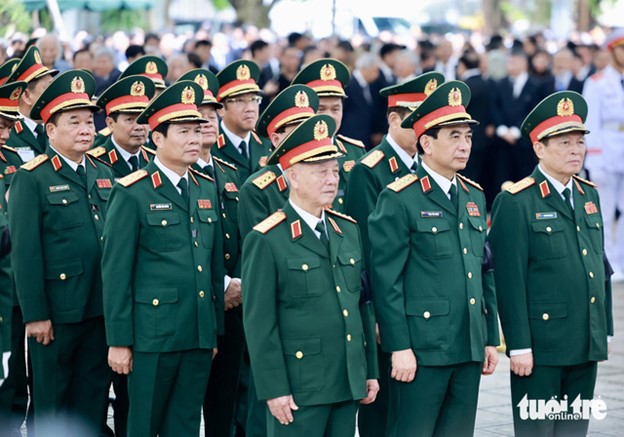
[553, 296]
[163, 281]
[109, 154]
[304, 330]
[429, 291]
[56, 218]
[368, 177]
[7, 68]
[259, 151]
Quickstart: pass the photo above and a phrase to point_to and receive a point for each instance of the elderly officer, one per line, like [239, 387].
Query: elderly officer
[240, 95]
[435, 308]
[301, 291]
[163, 273]
[547, 239]
[56, 213]
[604, 93]
[393, 158]
[329, 77]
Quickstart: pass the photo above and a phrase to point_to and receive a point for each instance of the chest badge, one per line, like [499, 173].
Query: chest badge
[473, 209]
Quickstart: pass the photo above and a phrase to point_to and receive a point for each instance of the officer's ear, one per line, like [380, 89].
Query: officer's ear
[538, 148]
[426, 144]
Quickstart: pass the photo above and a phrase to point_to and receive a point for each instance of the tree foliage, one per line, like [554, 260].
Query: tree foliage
[13, 17]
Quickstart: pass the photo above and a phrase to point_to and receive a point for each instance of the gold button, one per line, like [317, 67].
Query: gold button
[196, 243]
[1, 319]
[299, 355]
[201, 293]
[597, 225]
[461, 226]
[473, 301]
[200, 268]
[426, 314]
[584, 252]
[338, 289]
[192, 219]
[548, 229]
[236, 198]
[164, 223]
[481, 228]
[593, 299]
[96, 217]
[304, 267]
[155, 302]
[224, 216]
[578, 229]
[352, 261]
[64, 201]
[340, 201]
[62, 276]
[209, 220]
[469, 275]
[434, 229]
[227, 235]
[345, 313]
[465, 251]
[591, 275]
[348, 337]
[545, 316]
[227, 256]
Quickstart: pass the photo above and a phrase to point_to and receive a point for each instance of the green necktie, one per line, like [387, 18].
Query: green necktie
[567, 194]
[41, 136]
[134, 162]
[454, 197]
[414, 167]
[320, 227]
[184, 192]
[209, 170]
[243, 151]
[83, 175]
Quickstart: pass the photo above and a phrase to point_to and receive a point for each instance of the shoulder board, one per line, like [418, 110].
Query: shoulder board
[353, 141]
[222, 162]
[270, 222]
[585, 181]
[35, 162]
[521, 185]
[132, 178]
[403, 182]
[256, 137]
[470, 181]
[597, 76]
[105, 132]
[341, 215]
[148, 150]
[197, 173]
[264, 180]
[101, 161]
[97, 152]
[373, 158]
[10, 149]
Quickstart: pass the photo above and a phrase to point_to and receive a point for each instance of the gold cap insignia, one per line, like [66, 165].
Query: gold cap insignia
[302, 100]
[77, 85]
[188, 95]
[565, 107]
[137, 89]
[38, 57]
[202, 81]
[320, 131]
[431, 86]
[242, 72]
[151, 68]
[328, 72]
[455, 97]
[16, 93]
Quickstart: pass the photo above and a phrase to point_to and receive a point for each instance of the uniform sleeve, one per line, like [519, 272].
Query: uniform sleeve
[387, 226]
[121, 240]
[509, 242]
[217, 273]
[491, 317]
[260, 282]
[25, 222]
[252, 209]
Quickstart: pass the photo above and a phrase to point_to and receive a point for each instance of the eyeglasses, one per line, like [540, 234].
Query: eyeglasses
[255, 100]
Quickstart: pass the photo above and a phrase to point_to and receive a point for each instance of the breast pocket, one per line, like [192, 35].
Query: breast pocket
[548, 239]
[433, 238]
[304, 363]
[351, 267]
[64, 210]
[164, 231]
[156, 312]
[594, 225]
[208, 219]
[304, 277]
[429, 322]
[478, 232]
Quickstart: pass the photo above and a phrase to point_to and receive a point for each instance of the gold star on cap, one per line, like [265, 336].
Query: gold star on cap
[302, 100]
[430, 87]
[77, 85]
[242, 72]
[151, 68]
[455, 97]
[565, 107]
[188, 96]
[320, 131]
[137, 89]
[328, 72]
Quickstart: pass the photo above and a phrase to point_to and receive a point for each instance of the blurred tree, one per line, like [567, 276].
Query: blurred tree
[13, 18]
[123, 19]
[254, 12]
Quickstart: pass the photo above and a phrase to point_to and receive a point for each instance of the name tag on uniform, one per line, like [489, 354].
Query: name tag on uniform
[104, 183]
[473, 209]
[431, 214]
[204, 204]
[591, 208]
[160, 207]
[57, 188]
[545, 215]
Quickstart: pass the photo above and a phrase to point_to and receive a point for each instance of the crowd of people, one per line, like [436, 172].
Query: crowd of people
[284, 233]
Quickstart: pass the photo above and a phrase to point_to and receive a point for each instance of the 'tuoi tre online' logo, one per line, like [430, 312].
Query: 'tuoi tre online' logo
[561, 409]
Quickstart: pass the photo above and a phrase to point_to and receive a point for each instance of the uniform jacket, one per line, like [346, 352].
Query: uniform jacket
[352, 150]
[22, 136]
[108, 153]
[428, 288]
[10, 161]
[300, 304]
[549, 272]
[56, 228]
[163, 264]
[6, 276]
[259, 151]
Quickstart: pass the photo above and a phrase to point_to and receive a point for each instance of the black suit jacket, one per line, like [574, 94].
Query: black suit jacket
[359, 115]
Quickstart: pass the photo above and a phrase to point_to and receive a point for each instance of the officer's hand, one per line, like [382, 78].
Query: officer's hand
[281, 408]
[372, 388]
[42, 330]
[522, 365]
[215, 351]
[377, 334]
[233, 297]
[491, 360]
[403, 365]
[120, 359]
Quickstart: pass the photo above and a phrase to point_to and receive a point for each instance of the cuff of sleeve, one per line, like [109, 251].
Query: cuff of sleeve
[226, 282]
[395, 339]
[513, 353]
[120, 334]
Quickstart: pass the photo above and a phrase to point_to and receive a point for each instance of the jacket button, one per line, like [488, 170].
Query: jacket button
[545, 316]
[434, 229]
[224, 216]
[469, 275]
[227, 256]
[304, 267]
[345, 313]
[200, 269]
[196, 243]
[340, 201]
[461, 226]
[164, 223]
[96, 217]
[62, 276]
[155, 302]
[201, 293]
[352, 261]
[227, 235]
[299, 355]
[593, 299]
[426, 314]
[236, 198]
[473, 301]
[480, 228]
[548, 229]
[584, 252]
[591, 275]
[338, 288]
[465, 251]
[210, 219]
[64, 201]
[597, 225]
[192, 220]
[578, 229]
[348, 337]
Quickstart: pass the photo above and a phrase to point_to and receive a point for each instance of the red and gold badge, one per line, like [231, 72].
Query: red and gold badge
[328, 72]
[188, 95]
[77, 85]
[455, 97]
[16, 93]
[320, 130]
[37, 57]
[202, 81]
[151, 68]
[204, 204]
[231, 187]
[104, 183]
[137, 89]
[565, 107]
[242, 72]
[473, 209]
[430, 87]
[591, 208]
[302, 100]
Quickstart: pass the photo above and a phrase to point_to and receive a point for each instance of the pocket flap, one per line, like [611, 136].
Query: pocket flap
[478, 223]
[432, 225]
[301, 347]
[162, 218]
[63, 271]
[548, 310]
[230, 194]
[593, 221]
[548, 226]
[349, 258]
[303, 264]
[156, 296]
[428, 307]
[207, 215]
[64, 198]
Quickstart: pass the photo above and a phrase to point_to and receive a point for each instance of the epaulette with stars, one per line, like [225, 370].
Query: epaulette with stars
[97, 152]
[200, 174]
[225, 163]
[402, 183]
[264, 180]
[373, 158]
[341, 215]
[132, 178]
[270, 222]
[585, 181]
[352, 141]
[521, 185]
[469, 181]
[148, 150]
[35, 162]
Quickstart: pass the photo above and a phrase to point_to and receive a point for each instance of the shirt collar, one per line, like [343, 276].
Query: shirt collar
[559, 187]
[310, 219]
[123, 152]
[72, 164]
[403, 155]
[235, 139]
[171, 175]
[203, 163]
[442, 182]
[31, 124]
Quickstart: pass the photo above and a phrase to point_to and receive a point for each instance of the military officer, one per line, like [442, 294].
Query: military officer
[328, 77]
[7, 68]
[266, 190]
[436, 310]
[604, 93]
[124, 149]
[240, 95]
[28, 136]
[56, 212]
[163, 273]
[393, 158]
[554, 299]
[303, 325]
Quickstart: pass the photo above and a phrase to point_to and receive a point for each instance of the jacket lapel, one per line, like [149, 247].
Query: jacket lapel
[335, 237]
[402, 169]
[62, 168]
[549, 195]
[302, 234]
[165, 187]
[435, 193]
[232, 153]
